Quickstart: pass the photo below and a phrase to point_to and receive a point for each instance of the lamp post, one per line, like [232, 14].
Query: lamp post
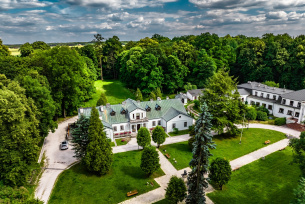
[242, 128]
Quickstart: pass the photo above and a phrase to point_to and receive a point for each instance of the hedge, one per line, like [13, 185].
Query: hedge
[280, 121]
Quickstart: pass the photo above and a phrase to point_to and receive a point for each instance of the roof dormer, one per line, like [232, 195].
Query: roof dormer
[147, 108]
[158, 107]
[112, 112]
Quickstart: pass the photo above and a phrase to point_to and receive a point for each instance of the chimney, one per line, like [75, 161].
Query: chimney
[265, 86]
[158, 99]
[249, 82]
[101, 108]
[107, 105]
[151, 99]
[167, 97]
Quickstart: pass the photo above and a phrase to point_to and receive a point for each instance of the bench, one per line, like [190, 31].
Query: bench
[131, 193]
[168, 156]
[151, 183]
[267, 142]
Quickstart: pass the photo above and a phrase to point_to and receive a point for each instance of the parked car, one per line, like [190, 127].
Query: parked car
[64, 145]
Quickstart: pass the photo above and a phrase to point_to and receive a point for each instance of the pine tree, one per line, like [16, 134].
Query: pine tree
[176, 190]
[299, 193]
[99, 155]
[150, 160]
[143, 137]
[201, 153]
[139, 96]
[102, 100]
[158, 92]
[152, 96]
[158, 135]
[80, 136]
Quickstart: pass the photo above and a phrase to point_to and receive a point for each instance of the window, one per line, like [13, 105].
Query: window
[159, 122]
[142, 115]
[262, 94]
[115, 129]
[299, 105]
[122, 127]
[284, 101]
[258, 103]
[268, 95]
[174, 125]
[289, 112]
[138, 116]
[179, 116]
[154, 123]
[256, 93]
[185, 124]
[252, 102]
[274, 97]
[133, 116]
[270, 107]
[291, 103]
[297, 114]
[281, 110]
[144, 124]
[264, 105]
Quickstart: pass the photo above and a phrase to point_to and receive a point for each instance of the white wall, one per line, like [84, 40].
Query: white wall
[261, 103]
[284, 114]
[259, 94]
[179, 121]
[138, 111]
[109, 133]
[189, 96]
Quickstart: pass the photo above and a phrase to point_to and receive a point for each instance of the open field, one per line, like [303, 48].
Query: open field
[264, 181]
[77, 185]
[229, 148]
[114, 90]
[14, 51]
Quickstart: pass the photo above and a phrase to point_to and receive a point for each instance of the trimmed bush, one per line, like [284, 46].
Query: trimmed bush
[261, 116]
[280, 121]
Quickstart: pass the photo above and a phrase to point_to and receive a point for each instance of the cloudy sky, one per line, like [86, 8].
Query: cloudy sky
[78, 20]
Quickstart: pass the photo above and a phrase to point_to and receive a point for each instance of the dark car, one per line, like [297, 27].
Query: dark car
[64, 145]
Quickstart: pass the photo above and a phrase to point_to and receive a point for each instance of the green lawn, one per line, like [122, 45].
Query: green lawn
[264, 181]
[164, 201]
[115, 92]
[76, 185]
[119, 142]
[253, 139]
[180, 132]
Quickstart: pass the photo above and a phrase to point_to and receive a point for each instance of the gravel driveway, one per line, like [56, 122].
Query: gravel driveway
[56, 160]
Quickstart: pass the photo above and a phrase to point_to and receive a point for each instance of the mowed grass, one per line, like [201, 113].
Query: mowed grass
[115, 92]
[180, 132]
[229, 148]
[76, 185]
[121, 141]
[263, 181]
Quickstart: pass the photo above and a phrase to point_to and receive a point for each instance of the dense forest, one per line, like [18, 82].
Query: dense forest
[45, 83]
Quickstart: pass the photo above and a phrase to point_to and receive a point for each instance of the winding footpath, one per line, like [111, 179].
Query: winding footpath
[58, 161]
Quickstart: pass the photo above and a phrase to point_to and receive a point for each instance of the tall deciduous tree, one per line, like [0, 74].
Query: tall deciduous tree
[19, 135]
[224, 102]
[220, 171]
[176, 190]
[158, 93]
[158, 135]
[152, 95]
[26, 49]
[80, 137]
[111, 50]
[298, 146]
[201, 154]
[143, 137]
[98, 45]
[4, 51]
[150, 160]
[99, 155]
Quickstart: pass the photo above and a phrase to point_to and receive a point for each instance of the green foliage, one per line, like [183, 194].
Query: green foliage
[176, 131]
[158, 92]
[16, 195]
[99, 155]
[197, 104]
[152, 95]
[80, 136]
[4, 51]
[271, 84]
[220, 171]
[262, 116]
[139, 95]
[158, 135]
[98, 47]
[280, 121]
[143, 137]
[40, 45]
[176, 190]
[298, 146]
[223, 99]
[102, 100]
[26, 49]
[19, 133]
[251, 113]
[189, 86]
[263, 109]
[299, 193]
[150, 160]
[201, 153]
[192, 136]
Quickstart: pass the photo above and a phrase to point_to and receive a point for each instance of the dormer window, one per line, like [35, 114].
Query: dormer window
[291, 103]
[147, 108]
[112, 113]
[158, 107]
[284, 101]
[123, 111]
[299, 105]
[274, 97]
[262, 94]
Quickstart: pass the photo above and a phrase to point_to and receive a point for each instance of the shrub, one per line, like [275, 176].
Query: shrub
[158, 135]
[176, 131]
[220, 171]
[150, 160]
[102, 100]
[197, 103]
[251, 113]
[280, 121]
[176, 190]
[261, 116]
[263, 109]
[143, 137]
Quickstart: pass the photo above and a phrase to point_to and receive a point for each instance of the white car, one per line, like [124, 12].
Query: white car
[64, 145]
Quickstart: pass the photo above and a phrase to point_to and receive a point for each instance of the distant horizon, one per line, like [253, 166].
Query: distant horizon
[78, 20]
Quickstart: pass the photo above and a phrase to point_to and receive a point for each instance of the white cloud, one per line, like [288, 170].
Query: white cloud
[13, 4]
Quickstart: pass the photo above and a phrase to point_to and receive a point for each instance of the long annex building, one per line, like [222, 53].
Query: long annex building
[123, 120]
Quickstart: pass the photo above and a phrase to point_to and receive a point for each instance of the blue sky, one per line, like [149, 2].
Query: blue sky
[78, 20]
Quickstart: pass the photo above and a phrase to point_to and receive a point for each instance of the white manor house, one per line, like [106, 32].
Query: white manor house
[280, 102]
[124, 120]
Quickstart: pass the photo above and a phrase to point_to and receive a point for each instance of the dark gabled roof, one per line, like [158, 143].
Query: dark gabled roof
[243, 92]
[262, 87]
[181, 96]
[195, 92]
[296, 95]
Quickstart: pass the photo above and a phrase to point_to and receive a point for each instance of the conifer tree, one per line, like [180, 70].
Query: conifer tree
[80, 136]
[201, 153]
[158, 92]
[152, 96]
[99, 155]
[139, 95]
[158, 135]
[102, 100]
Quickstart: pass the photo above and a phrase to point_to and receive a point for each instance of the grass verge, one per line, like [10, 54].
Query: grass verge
[264, 181]
[77, 185]
[229, 148]
[180, 132]
[122, 141]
